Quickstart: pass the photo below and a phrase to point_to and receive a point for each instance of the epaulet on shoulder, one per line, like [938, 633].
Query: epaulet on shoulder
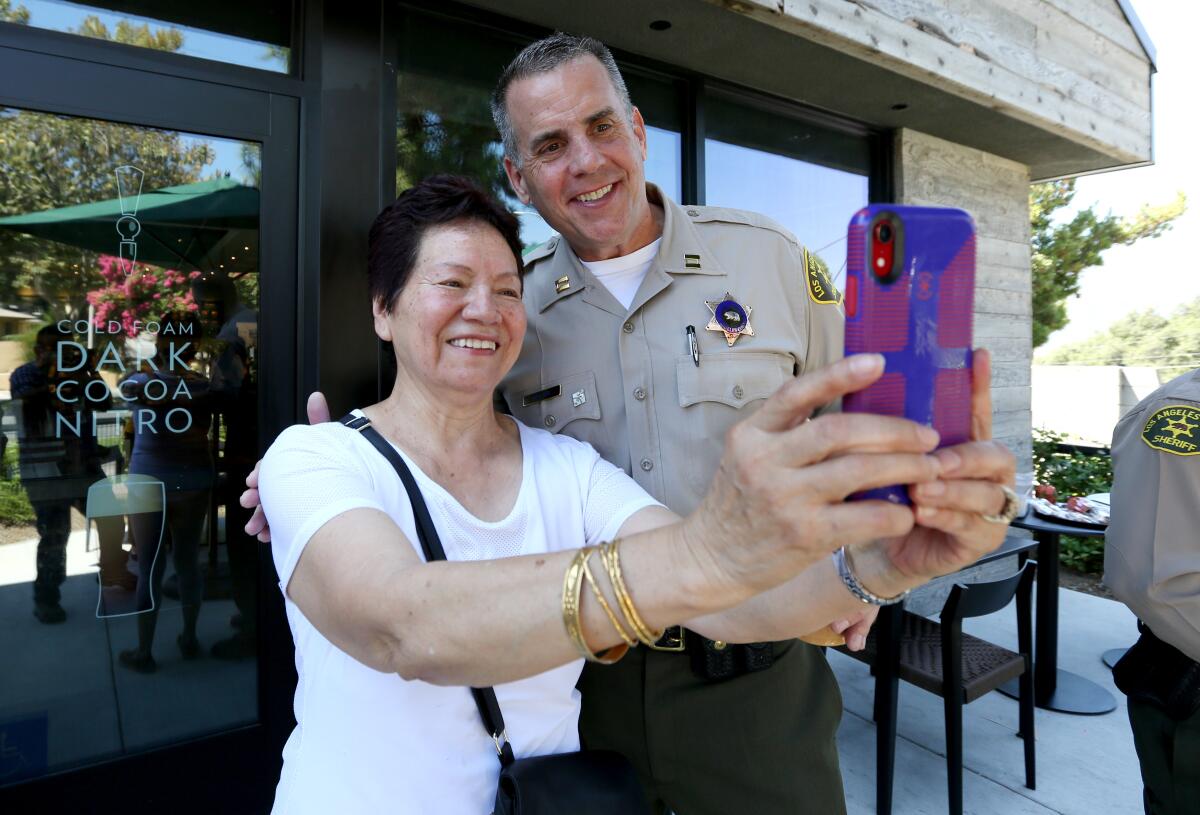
[738, 216]
[544, 249]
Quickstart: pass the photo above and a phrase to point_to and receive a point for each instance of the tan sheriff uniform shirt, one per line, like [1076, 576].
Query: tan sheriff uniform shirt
[1152, 552]
[624, 380]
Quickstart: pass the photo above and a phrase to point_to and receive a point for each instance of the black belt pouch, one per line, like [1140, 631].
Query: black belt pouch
[1158, 673]
[714, 664]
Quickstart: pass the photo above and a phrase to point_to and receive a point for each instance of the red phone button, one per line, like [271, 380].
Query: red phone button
[850, 301]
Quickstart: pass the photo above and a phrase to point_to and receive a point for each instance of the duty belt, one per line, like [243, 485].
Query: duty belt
[716, 660]
[1157, 673]
[673, 639]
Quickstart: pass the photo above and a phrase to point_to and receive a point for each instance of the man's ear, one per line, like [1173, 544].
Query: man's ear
[383, 328]
[516, 180]
[639, 130]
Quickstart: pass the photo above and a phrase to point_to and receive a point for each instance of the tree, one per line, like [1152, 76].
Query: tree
[164, 39]
[52, 161]
[18, 15]
[1140, 338]
[56, 161]
[139, 295]
[450, 141]
[1062, 250]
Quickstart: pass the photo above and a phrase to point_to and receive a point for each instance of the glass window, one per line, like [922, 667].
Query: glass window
[810, 179]
[218, 30]
[444, 122]
[128, 303]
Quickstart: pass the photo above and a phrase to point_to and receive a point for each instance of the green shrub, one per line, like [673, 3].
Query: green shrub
[1082, 554]
[15, 509]
[1073, 473]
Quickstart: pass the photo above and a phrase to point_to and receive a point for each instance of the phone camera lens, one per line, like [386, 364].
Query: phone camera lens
[884, 232]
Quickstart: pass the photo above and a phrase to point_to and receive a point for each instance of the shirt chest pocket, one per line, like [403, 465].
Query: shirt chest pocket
[556, 405]
[734, 378]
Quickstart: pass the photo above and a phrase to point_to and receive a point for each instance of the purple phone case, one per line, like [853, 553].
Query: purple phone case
[921, 323]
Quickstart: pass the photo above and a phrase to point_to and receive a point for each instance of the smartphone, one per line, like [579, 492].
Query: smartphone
[910, 294]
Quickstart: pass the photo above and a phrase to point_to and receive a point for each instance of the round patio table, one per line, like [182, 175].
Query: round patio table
[1054, 688]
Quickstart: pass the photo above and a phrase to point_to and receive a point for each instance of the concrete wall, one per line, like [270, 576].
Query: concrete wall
[1086, 401]
[933, 172]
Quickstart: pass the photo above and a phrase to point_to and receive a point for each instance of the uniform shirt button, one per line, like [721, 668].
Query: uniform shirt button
[737, 392]
[639, 393]
[647, 464]
[627, 328]
[550, 421]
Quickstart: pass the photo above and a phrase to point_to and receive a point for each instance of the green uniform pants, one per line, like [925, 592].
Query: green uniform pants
[1169, 752]
[762, 742]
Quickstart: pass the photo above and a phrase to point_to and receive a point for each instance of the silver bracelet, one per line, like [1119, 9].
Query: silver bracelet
[855, 586]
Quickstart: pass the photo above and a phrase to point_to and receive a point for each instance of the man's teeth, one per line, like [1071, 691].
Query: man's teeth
[594, 195]
[473, 343]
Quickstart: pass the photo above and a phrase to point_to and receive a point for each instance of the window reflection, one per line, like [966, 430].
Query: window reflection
[808, 179]
[128, 411]
[258, 40]
[444, 122]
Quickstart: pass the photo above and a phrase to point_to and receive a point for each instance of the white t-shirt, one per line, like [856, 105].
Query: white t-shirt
[371, 742]
[624, 275]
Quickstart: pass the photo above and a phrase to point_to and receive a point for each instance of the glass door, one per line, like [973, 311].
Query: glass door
[134, 349]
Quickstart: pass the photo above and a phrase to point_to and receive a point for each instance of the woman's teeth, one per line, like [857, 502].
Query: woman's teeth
[473, 343]
[594, 195]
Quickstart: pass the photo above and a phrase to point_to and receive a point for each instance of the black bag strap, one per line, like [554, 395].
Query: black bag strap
[431, 545]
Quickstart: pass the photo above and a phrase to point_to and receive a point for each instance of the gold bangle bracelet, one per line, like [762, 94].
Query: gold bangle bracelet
[600, 598]
[610, 555]
[570, 603]
[572, 586]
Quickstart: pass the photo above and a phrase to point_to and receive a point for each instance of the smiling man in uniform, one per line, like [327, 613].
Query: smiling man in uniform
[652, 326]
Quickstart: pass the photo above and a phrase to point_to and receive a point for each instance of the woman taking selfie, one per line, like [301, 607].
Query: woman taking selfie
[553, 555]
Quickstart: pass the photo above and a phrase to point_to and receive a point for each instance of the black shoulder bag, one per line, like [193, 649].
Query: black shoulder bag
[591, 782]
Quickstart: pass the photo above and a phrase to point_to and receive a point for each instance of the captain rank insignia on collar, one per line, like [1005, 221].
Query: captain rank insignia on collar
[730, 318]
[562, 284]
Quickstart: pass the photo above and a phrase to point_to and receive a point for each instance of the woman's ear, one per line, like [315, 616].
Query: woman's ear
[383, 326]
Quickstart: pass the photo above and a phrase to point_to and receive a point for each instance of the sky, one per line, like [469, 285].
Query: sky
[1158, 273]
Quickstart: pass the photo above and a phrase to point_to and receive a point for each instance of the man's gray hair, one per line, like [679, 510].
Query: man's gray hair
[544, 56]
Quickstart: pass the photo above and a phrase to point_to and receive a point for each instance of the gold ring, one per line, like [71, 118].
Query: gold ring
[1010, 510]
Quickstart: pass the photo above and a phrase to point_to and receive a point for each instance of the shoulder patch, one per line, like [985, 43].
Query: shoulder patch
[820, 284]
[1173, 429]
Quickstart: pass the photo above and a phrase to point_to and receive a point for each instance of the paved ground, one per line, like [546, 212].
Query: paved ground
[1086, 765]
[70, 702]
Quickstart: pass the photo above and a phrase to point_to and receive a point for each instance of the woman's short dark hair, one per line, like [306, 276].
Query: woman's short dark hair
[395, 238]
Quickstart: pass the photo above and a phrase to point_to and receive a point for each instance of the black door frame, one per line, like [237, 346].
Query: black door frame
[232, 771]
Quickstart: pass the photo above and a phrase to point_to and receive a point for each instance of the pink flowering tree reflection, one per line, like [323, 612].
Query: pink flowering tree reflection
[141, 296]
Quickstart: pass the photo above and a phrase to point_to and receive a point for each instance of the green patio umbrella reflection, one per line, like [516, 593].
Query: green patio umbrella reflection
[202, 225]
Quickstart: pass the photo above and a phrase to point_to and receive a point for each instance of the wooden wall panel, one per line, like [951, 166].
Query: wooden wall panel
[1074, 68]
